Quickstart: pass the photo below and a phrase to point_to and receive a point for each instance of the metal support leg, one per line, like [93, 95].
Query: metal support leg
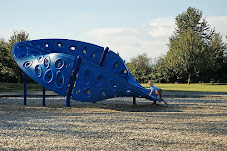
[25, 89]
[73, 78]
[103, 58]
[134, 101]
[44, 95]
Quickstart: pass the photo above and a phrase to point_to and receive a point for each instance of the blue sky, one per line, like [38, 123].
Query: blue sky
[130, 27]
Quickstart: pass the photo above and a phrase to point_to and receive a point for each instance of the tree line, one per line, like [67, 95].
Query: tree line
[196, 54]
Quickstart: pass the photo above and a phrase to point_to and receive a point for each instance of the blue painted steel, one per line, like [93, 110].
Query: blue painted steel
[102, 73]
[72, 81]
[25, 88]
[44, 95]
[134, 101]
[105, 52]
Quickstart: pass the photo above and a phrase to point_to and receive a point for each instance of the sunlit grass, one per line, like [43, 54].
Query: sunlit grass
[19, 87]
[197, 87]
[204, 87]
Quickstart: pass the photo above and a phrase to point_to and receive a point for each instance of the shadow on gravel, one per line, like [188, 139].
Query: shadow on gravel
[141, 108]
[124, 105]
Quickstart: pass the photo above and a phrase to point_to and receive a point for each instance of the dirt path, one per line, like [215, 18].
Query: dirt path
[186, 124]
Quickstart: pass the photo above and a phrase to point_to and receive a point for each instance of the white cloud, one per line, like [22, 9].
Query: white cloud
[150, 38]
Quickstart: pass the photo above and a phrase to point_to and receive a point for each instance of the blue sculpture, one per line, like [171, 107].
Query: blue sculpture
[83, 71]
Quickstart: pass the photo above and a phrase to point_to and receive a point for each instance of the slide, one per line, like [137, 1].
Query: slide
[96, 73]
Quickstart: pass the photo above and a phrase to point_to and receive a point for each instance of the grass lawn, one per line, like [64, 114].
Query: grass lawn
[205, 87]
[18, 87]
[197, 87]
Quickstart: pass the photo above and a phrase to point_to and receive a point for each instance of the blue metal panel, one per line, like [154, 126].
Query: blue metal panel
[51, 70]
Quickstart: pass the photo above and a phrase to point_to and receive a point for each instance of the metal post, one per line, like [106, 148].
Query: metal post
[134, 101]
[73, 78]
[44, 95]
[25, 88]
[105, 52]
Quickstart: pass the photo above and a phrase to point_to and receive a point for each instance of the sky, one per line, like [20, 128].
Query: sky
[130, 27]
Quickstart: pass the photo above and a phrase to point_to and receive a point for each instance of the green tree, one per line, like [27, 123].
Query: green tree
[140, 67]
[17, 36]
[5, 71]
[160, 73]
[217, 58]
[190, 47]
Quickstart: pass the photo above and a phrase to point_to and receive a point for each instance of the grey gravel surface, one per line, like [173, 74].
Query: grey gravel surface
[114, 124]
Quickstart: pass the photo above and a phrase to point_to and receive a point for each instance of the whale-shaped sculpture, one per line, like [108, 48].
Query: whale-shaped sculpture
[99, 74]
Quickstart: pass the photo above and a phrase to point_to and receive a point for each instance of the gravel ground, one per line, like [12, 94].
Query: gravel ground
[114, 124]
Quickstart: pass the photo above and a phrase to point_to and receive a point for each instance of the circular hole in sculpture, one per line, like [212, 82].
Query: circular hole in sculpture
[46, 45]
[38, 70]
[48, 77]
[128, 91]
[103, 94]
[124, 72]
[59, 80]
[115, 66]
[27, 64]
[87, 93]
[40, 58]
[94, 54]
[59, 44]
[99, 79]
[59, 64]
[84, 50]
[47, 62]
[73, 48]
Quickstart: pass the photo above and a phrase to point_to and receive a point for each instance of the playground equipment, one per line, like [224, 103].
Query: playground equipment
[79, 70]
